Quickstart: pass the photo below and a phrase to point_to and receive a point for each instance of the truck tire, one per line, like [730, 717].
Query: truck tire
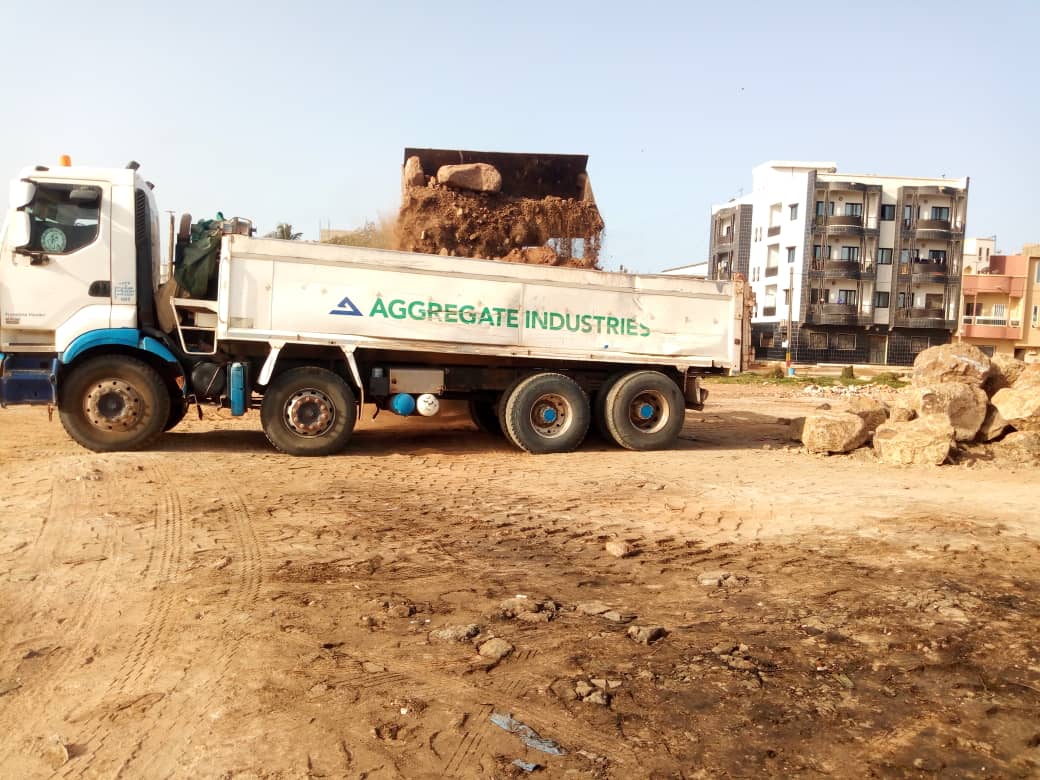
[644, 410]
[178, 409]
[485, 416]
[545, 412]
[114, 403]
[308, 411]
[599, 406]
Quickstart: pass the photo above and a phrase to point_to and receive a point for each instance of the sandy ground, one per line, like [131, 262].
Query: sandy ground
[213, 609]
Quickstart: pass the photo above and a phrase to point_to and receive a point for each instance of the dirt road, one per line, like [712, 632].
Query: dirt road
[213, 609]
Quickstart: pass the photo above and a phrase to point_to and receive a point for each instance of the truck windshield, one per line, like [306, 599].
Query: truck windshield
[63, 217]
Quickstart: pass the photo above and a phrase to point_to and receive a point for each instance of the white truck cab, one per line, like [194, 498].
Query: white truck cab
[309, 333]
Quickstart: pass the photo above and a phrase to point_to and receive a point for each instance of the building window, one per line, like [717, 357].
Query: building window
[999, 313]
[787, 297]
[846, 297]
[880, 299]
[884, 255]
[901, 301]
[908, 215]
[1038, 273]
[853, 209]
[846, 342]
[937, 255]
[773, 260]
[888, 212]
[820, 208]
[933, 301]
[909, 255]
[918, 345]
[820, 252]
[765, 339]
[817, 341]
[818, 296]
[830, 208]
[790, 254]
[1036, 315]
[793, 208]
[941, 212]
[972, 309]
[850, 253]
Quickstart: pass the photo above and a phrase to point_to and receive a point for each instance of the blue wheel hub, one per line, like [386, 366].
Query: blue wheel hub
[645, 412]
[549, 416]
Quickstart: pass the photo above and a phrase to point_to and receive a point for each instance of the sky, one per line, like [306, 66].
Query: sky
[301, 112]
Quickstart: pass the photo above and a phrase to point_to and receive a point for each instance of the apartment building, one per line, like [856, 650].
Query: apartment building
[1001, 304]
[846, 268]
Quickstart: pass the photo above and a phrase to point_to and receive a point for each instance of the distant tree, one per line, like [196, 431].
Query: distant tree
[375, 235]
[284, 231]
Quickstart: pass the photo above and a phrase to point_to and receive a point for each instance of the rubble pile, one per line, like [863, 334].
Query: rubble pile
[464, 211]
[959, 400]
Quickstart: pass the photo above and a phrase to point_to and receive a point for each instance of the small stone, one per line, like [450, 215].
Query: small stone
[614, 616]
[598, 697]
[592, 608]
[613, 684]
[619, 549]
[370, 667]
[646, 635]
[401, 610]
[413, 175]
[496, 649]
[723, 648]
[712, 579]
[462, 633]
[583, 689]
[599, 683]
[563, 690]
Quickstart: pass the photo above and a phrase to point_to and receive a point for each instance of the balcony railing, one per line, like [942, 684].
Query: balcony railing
[772, 270]
[836, 268]
[923, 318]
[839, 314]
[774, 230]
[972, 284]
[845, 224]
[925, 271]
[769, 311]
[991, 328]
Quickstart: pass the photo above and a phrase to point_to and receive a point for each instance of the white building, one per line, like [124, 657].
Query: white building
[850, 268]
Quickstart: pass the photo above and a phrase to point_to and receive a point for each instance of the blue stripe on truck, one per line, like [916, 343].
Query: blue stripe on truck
[126, 337]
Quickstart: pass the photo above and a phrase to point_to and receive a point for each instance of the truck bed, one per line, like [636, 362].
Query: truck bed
[289, 291]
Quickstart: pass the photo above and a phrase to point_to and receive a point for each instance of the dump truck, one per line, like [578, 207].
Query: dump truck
[310, 334]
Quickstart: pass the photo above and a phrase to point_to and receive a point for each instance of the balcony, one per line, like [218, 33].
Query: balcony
[980, 284]
[838, 314]
[774, 230]
[922, 272]
[772, 270]
[932, 229]
[841, 269]
[769, 311]
[991, 328]
[923, 318]
[724, 239]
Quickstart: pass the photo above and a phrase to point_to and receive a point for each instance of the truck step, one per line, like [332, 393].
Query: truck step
[26, 379]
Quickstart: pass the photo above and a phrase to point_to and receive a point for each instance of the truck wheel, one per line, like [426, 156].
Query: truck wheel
[114, 403]
[644, 411]
[546, 413]
[178, 409]
[308, 411]
[599, 406]
[485, 416]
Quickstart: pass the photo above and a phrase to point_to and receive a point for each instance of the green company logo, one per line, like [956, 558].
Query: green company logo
[501, 317]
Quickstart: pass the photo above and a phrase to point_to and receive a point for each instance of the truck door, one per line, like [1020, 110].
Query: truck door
[63, 275]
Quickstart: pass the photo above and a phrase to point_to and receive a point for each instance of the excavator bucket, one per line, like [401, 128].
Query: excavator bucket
[534, 176]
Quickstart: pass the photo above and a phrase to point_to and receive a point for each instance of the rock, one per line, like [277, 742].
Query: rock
[951, 363]
[1028, 378]
[872, 411]
[795, 428]
[456, 633]
[724, 648]
[619, 549]
[480, 177]
[1020, 447]
[562, 689]
[401, 610]
[964, 404]
[583, 689]
[592, 608]
[900, 411]
[824, 407]
[993, 426]
[413, 175]
[1020, 406]
[646, 635]
[827, 432]
[1006, 370]
[370, 667]
[599, 682]
[926, 440]
[712, 579]
[598, 697]
[616, 616]
[496, 649]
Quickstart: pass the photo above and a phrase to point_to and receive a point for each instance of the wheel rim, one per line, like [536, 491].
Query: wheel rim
[114, 405]
[648, 411]
[309, 412]
[551, 415]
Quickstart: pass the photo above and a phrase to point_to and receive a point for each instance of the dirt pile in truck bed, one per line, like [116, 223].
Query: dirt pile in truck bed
[437, 218]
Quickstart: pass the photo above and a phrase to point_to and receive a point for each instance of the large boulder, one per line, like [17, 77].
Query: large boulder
[1020, 406]
[993, 426]
[826, 432]
[964, 404]
[872, 411]
[923, 441]
[480, 177]
[1006, 369]
[901, 411]
[1028, 377]
[413, 175]
[1019, 447]
[951, 363]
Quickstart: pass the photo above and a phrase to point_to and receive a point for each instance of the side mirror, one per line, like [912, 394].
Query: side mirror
[19, 231]
[21, 193]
